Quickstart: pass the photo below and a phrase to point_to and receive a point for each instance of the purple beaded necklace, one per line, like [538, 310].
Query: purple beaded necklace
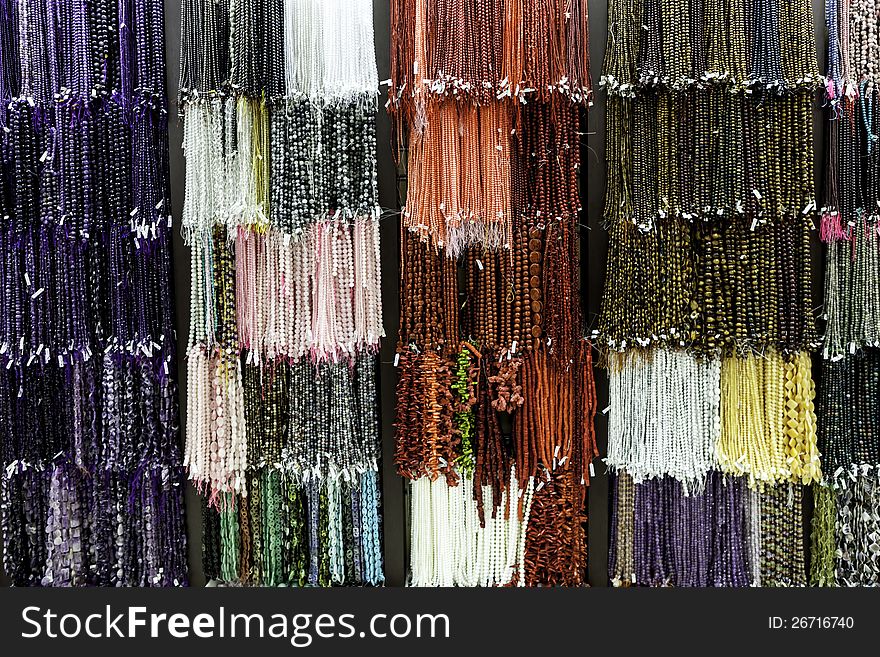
[680, 539]
[92, 486]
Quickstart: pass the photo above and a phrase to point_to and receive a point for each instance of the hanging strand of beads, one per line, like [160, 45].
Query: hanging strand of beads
[92, 481]
[496, 397]
[846, 524]
[707, 316]
[279, 99]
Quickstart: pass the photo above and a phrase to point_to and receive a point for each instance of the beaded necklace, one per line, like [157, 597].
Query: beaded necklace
[92, 488]
[845, 523]
[671, 403]
[281, 212]
[495, 398]
[666, 537]
[480, 50]
[707, 312]
[709, 288]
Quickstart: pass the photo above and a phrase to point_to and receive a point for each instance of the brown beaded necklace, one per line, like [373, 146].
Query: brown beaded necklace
[496, 385]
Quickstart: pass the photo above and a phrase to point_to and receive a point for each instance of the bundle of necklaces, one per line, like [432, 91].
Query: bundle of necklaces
[846, 521]
[279, 99]
[707, 316]
[92, 481]
[496, 399]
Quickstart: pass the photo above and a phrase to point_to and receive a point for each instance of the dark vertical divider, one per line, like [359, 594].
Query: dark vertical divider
[393, 491]
[594, 247]
[181, 269]
[820, 135]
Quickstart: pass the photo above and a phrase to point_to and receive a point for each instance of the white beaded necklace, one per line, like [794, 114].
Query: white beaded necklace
[329, 49]
[448, 546]
[665, 416]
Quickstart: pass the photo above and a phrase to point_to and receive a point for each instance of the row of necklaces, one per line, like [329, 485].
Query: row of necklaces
[707, 316]
[496, 398]
[279, 102]
[92, 483]
[846, 522]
